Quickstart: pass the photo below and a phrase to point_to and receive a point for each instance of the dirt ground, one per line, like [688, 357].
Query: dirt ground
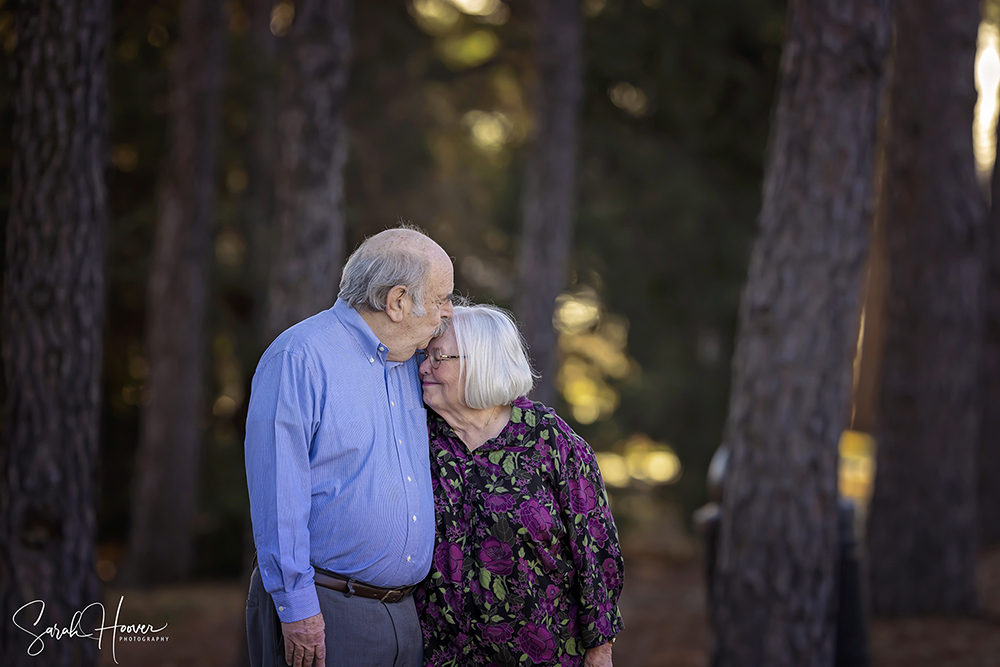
[663, 605]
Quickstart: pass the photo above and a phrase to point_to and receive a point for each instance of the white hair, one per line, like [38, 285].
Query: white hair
[493, 356]
[373, 270]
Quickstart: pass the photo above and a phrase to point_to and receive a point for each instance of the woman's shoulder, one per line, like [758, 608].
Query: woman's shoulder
[535, 415]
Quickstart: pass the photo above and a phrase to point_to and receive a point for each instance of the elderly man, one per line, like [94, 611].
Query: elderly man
[337, 466]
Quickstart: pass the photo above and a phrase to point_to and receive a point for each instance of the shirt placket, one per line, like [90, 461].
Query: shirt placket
[396, 423]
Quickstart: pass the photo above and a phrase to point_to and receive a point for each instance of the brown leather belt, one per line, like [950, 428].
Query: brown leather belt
[350, 587]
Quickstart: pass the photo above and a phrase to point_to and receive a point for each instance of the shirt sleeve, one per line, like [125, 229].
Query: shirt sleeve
[282, 419]
[592, 535]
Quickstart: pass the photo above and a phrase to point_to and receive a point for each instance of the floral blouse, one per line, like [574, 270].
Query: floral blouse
[527, 569]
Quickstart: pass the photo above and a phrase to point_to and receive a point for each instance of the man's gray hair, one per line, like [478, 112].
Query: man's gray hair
[493, 356]
[373, 270]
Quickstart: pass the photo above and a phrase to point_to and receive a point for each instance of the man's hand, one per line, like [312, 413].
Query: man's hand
[305, 642]
[599, 656]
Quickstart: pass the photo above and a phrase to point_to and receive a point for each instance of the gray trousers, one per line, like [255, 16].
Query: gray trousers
[359, 632]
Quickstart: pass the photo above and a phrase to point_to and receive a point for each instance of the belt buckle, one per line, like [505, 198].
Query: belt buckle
[350, 588]
[386, 596]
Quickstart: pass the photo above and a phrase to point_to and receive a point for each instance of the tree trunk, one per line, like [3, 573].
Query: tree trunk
[161, 544]
[549, 199]
[305, 273]
[261, 226]
[52, 319]
[264, 144]
[775, 588]
[989, 449]
[922, 530]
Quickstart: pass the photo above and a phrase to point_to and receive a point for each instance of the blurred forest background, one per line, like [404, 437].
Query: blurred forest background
[675, 111]
[433, 117]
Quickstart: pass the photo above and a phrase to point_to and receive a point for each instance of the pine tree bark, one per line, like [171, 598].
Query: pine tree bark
[52, 319]
[774, 595]
[305, 272]
[989, 441]
[922, 527]
[264, 148]
[549, 196]
[161, 543]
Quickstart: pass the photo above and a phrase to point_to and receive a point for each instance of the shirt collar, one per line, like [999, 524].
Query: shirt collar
[366, 339]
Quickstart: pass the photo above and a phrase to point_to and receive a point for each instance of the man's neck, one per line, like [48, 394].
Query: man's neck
[381, 326]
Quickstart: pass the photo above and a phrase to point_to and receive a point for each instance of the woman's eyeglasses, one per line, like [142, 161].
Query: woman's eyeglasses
[435, 356]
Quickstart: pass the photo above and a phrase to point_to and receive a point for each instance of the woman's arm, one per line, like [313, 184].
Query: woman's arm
[592, 538]
[599, 656]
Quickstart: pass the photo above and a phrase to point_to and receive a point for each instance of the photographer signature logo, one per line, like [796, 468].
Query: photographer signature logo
[139, 632]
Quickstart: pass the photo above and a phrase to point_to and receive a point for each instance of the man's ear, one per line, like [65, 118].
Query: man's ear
[395, 303]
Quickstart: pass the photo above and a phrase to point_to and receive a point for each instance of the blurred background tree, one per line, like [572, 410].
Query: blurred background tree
[312, 149]
[987, 73]
[52, 319]
[774, 598]
[548, 196]
[922, 528]
[168, 460]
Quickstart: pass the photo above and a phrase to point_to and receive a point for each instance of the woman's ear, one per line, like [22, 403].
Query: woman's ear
[395, 306]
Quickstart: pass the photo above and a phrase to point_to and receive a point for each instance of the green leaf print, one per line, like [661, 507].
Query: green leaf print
[499, 590]
[484, 578]
[508, 465]
[502, 531]
[495, 457]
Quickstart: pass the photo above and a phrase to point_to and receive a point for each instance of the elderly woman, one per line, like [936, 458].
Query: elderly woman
[527, 562]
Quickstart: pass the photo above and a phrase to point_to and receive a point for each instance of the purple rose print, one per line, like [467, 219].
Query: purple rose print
[603, 625]
[453, 600]
[448, 561]
[536, 520]
[498, 634]
[598, 532]
[610, 573]
[581, 496]
[537, 642]
[497, 556]
[499, 504]
[547, 607]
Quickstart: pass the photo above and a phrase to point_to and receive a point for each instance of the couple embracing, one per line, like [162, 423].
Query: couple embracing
[410, 505]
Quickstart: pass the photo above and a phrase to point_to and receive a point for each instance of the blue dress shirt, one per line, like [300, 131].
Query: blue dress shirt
[337, 462]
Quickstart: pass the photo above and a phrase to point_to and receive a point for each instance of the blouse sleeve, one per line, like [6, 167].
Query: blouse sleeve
[592, 535]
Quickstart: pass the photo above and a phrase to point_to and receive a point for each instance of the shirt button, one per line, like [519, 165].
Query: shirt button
[407, 559]
[414, 518]
[281, 609]
[408, 479]
[400, 442]
[370, 360]
[381, 349]
[392, 403]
